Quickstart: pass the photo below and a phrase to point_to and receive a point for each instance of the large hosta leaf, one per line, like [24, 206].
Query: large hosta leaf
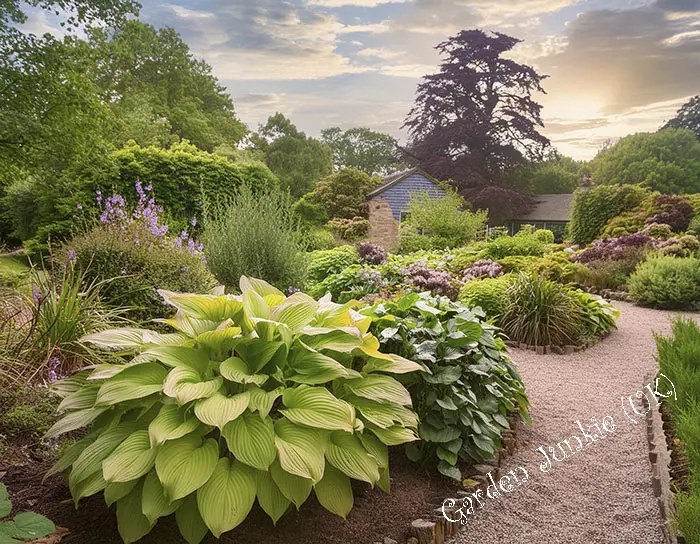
[133, 383]
[236, 370]
[261, 287]
[397, 365]
[178, 356]
[313, 367]
[346, 453]
[393, 436]
[334, 492]
[81, 399]
[118, 490]
[131, 522]
[206, 307]
[75, 420]
[379, 388]
[252, 440]
[300, 449]
[385, 415]
[133, 458]
[317, 407]
[296, 312]
[190, 522]
[219, 409]
[172, 422]
[343, 340]
[155, 504]
[257, 353]
[116, 339]
[227, 497]
[271, 499]
[70, 455]
[295, 488]
[186, 384]
[185, 464]
[262, 400]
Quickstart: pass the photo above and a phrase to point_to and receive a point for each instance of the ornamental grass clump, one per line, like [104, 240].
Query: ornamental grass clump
[258, 396]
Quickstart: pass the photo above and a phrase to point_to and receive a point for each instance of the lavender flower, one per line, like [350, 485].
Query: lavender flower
[71, 256]
[54, 370]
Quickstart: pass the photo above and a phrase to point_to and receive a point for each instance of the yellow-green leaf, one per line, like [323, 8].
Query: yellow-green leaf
[185, 464]
[227, 497]
[379, 388]
[300, 449]
[117, 490]
[133, 458]
[155, 504]
[271, 499]
[252, 440]
[317, 407]
[190, 522]
[172, 422]
[185, 384]
[236, 370]
[334, 492]
[131, 522]
[133, 383]
[219, 409]
[262, 400]
[346, 453]
[295, 488]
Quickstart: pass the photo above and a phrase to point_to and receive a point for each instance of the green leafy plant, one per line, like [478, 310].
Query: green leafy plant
[253, 396]
[350, 230]
[255, 234]
[508, 246]
[545, 236]
[539, 312]
[596, 315]
[464, 401]
[489, 294]
[667, 282]
[332, 261]
[25, 526]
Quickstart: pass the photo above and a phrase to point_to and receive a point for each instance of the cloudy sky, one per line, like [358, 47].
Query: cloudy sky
[615, 66]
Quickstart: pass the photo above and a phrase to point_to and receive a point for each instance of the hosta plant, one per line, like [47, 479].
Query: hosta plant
[257, 396]
[464, 402]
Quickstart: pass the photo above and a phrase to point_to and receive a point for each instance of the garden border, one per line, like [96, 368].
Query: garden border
[559, 350]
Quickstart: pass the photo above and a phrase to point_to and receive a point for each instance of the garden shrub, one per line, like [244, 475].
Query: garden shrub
[255, 234]
[679, 361]
[672, 210]
[344, 194]
[464, 257]
[483, 268]
[440, 222]
[310, 211]
[694, 226]
[596, 315]
[685, 246]
[411, 240]
[319, 238]
[595, 206]
[464, 402]
[610, 274]
[372, 253]
[612, 249]
[556, 267]
[353, 282]
[657, 230]
[350, 230]
[424, 278]
[487, 294]
[332, 261]
[624, 224]
[539, 312]
[259, 395]
[667, 282]
[545, 236]
[518, 263]
[507, 246]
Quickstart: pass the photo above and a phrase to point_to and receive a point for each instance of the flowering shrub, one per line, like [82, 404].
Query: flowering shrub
[438, 282]
[614, 248]
[258, 396]
[372, 253]
[483, 268]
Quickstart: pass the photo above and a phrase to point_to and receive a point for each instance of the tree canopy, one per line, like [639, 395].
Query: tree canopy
[555, 174]
[368, 151]
[297, 160]
[476, 116]
[667, 161]
[687, 117]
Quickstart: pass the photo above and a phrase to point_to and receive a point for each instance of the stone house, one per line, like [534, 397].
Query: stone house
[388, 203]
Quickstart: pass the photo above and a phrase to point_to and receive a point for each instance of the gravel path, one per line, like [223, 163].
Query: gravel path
[603, 493]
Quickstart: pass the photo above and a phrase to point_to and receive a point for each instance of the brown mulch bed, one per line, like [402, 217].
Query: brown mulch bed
[414, 493]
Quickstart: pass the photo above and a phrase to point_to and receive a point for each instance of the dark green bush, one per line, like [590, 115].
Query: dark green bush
[255, 234]
[594, 207]
[463, 404]
[134, 264]
[667, 282]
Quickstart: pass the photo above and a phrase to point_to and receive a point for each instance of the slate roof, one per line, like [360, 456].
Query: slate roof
[395, 178]
[549, 208]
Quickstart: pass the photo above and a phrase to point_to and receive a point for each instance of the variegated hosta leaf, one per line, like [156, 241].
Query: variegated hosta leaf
[370, 347]
[185, 464]
[172, 422]
[261, 400]
[397, 365]
[295, 488]
[116, 339]
[317, 407]
[133, 458]
[252, 440]
[346, 453]
[334, 492]
[108, 370]
[185, 384]
[133, 383]
[300, 449]
[271, 499]
[219, 409]
[205, 307]
[188, 325]
[236, 370]
[155, 504]
[227, 497]
[379, 388]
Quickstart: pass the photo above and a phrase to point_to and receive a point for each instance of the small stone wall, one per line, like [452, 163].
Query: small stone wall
[383, 229]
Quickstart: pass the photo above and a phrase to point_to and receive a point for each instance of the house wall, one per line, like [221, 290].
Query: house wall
[398, 195]
[383, 228]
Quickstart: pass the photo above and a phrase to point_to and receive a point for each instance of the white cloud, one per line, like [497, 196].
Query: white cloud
[362, 3]
[379, 53]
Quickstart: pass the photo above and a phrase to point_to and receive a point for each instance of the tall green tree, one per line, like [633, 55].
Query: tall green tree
[667, 161]
[687, 117]
[366, 150]
[159, 91]
[556, 174]
[296, 159]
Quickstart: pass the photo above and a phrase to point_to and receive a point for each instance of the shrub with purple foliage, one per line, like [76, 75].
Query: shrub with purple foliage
[673, 210]
[372, 253]
[611, 249]
[423, 278]
[483, 268]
